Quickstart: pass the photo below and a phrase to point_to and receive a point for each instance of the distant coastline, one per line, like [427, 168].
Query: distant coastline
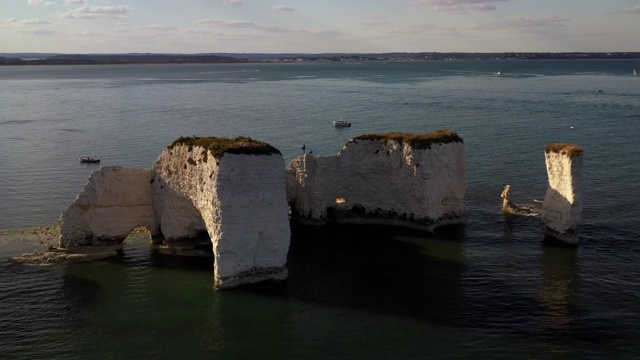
[146, 58]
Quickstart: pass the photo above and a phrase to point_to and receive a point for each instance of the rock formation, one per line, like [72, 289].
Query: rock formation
[115, 201]
[410, 180]
[232, 191]
[562, 206]
[508, 207]
[235, 190]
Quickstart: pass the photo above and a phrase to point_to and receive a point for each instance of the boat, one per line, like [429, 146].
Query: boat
[90, 159]
[499, 72]
[635, 72]
[341, 123]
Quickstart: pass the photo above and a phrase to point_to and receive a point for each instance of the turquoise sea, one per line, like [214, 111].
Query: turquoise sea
[491, 289]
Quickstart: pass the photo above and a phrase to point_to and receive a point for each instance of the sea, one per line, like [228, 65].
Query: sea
[492, 288]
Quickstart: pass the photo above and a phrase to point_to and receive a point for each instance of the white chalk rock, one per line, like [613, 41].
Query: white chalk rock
[383, 180]
[115, 201]
[239, 199]
[562, 206]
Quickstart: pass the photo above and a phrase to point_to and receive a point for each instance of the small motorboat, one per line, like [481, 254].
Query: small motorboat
[341, 123]
[90, 159]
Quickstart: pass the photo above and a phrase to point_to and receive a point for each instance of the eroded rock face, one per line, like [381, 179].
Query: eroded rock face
[380, 181]
[239, 199]
[562, 207]
[115, 201]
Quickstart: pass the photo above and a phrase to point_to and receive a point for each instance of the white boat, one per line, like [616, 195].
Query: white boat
[499, 72]
[341, 123]
[635, 72]
[90, 159]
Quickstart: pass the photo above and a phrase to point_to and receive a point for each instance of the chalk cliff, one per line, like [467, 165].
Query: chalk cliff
[115, 201]
[411, 180]
[562, 206]
[235, 190]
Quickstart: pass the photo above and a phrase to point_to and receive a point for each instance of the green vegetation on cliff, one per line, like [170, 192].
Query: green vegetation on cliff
[417, 141]
[564, 149]
[219, 146]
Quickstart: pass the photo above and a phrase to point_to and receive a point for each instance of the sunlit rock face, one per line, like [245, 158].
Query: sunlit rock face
[115, 201]
[562, 207]
[411, 180]
[239, 199]
[229, 193]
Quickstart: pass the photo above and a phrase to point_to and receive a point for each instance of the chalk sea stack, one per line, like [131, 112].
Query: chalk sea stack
[235, 189]
[232, 190]
[562, 206]
[410, 180]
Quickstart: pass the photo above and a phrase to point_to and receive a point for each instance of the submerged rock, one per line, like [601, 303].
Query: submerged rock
[62, 255]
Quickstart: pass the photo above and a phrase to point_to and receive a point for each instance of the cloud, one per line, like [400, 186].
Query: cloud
[236, 24]
[632, 10]
[283, 8]
[159, 27]
[459, 5]
[76, 2]
[99, 12]
[36, 22]
[540, 24]
[374, 20]
[40, 32]
[231, 2]
[40, 2]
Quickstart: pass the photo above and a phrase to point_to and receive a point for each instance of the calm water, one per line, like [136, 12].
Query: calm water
[490, 289]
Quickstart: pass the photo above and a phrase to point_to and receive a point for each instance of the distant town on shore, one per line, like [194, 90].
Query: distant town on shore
[152, 58]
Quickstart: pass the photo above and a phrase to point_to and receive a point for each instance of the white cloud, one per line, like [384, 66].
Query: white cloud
[40, 2]
[632, 10]
[76, 2]
[99, 12]
[283, 8]
[159, 27]
[36, 22]
[40, 32]
[231, 2]
[459, 5]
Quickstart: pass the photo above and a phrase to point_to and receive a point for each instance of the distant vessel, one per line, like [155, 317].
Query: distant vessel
[90, 159]
[635, 72]
[499, 72]
[341, 123]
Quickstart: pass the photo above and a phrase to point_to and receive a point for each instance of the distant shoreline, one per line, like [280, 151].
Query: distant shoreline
[17, 59]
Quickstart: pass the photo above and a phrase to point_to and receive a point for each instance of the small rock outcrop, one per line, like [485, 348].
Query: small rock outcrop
[562, 206]
[115, 201]
[411, 180]
[508, 207]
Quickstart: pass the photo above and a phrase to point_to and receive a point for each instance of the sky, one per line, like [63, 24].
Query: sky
[318, 26]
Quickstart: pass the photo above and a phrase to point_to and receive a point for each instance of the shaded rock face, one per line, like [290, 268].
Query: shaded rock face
[239, 200]
[562, 206]
[115, 201]
[380, 182]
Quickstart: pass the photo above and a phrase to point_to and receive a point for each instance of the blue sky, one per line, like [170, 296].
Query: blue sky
[316, 26]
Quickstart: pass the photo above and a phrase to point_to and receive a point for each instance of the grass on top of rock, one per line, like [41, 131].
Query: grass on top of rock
[219, 146]
[417, 141]
[564, 149]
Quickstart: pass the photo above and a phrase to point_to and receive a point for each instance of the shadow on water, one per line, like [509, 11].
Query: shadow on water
[378, 269]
